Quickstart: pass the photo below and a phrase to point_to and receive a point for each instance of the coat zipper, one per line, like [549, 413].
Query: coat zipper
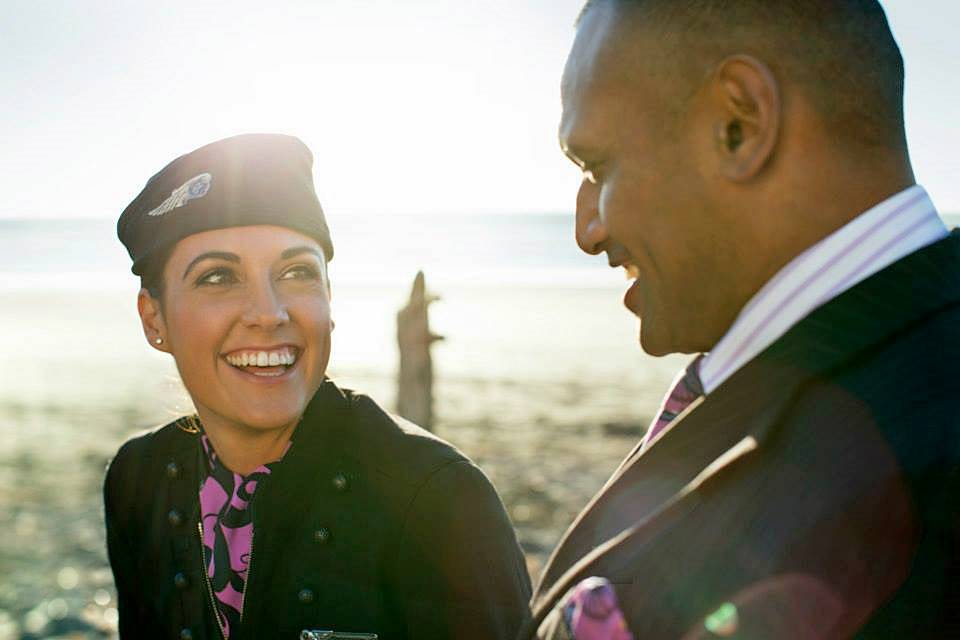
[206, 577]
[246, 585]
[318, 634]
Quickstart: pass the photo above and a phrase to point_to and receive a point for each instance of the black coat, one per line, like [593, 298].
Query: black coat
[368, 525]
[817, 490]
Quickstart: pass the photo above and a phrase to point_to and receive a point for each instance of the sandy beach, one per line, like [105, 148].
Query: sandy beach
[544, 456]
[540, 380]
[543, 386]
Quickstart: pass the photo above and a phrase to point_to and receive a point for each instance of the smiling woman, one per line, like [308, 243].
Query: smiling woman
[362, 523]
[238, 301]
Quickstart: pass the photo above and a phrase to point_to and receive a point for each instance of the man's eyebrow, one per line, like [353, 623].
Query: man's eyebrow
[292, 252]
[217, 255]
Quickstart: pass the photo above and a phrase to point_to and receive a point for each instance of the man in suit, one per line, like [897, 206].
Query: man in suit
[746, 162]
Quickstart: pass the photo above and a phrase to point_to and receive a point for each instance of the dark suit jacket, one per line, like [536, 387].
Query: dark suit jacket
[817, 490]
[368, 525]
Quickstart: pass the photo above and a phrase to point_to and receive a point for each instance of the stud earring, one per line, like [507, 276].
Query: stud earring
[158, 341]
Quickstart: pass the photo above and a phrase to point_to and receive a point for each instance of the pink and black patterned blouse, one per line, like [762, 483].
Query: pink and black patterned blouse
[227, 526]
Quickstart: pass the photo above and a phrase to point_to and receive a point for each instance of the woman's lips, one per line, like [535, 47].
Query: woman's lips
[278, 356]
[263, 364]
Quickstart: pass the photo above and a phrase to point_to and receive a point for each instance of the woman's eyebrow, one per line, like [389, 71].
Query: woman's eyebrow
[295, 251]
[220, 255]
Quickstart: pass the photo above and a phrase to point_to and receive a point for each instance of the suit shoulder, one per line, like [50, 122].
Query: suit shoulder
[913, 368]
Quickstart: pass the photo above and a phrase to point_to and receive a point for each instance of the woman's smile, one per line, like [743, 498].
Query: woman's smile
[264, 362]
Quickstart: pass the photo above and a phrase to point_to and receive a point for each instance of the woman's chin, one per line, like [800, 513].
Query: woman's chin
[259, 417]
[255, 407]
[266, 418]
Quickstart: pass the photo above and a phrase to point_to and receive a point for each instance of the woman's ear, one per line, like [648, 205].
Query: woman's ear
[151, 317]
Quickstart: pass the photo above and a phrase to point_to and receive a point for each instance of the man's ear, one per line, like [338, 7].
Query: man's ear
[746, 116]
[151, 317]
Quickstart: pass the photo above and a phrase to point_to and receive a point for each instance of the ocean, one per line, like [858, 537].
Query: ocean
[520, 304]
[540, 380]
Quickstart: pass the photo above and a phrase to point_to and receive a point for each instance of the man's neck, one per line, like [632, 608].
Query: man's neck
[799, 214]
[832, 191]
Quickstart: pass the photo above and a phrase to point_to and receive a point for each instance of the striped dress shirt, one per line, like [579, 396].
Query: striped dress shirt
[870, 242]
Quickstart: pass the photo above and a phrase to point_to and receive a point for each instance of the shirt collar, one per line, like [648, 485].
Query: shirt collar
[875, 239]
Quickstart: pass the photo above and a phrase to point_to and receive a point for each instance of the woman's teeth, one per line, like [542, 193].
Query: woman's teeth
[262, 358]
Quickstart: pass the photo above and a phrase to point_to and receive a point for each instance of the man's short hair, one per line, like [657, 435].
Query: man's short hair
[841, 53]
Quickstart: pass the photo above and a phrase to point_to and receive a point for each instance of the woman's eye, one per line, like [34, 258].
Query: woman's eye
[300, 272]
[217, 276]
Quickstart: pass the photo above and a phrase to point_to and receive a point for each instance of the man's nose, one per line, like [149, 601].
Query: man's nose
[591, 233]
[265, 307]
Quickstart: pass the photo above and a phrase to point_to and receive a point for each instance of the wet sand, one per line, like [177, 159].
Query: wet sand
[544, 388]
[542, 445]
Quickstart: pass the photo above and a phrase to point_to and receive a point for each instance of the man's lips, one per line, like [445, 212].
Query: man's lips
[618, 256]
[631, 270]
[631, 299]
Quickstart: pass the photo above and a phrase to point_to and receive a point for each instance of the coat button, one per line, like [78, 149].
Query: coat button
[172, 470]
[175, 518]
[321, 535]
[181, 581]
[340, 482]
[186, 634]
[305, 596]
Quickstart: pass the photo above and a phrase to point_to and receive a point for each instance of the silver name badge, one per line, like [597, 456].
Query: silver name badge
[317, 634]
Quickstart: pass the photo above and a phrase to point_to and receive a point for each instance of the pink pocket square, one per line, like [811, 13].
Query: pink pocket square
[592, 613]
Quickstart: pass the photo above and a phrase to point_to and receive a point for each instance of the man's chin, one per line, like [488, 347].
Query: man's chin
[659, 339]
[654, 345]
[655, 337]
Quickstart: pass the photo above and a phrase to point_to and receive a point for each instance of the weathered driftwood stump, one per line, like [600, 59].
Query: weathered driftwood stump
[415, 384]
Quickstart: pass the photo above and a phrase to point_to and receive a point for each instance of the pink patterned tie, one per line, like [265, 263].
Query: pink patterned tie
[686, 388]
[591, 611]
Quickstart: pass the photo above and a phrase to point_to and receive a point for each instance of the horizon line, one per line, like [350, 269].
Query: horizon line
[328, 214]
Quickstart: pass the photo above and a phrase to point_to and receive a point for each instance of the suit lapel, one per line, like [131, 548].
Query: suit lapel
[709, 436]
[653, 485]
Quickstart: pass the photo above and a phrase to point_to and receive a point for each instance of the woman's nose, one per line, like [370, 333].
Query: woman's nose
[265, 308]
[591, 233]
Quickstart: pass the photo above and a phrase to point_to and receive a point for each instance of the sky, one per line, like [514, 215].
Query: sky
[413, 106]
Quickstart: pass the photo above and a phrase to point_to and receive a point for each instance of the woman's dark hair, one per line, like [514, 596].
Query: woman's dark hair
[151, 278]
